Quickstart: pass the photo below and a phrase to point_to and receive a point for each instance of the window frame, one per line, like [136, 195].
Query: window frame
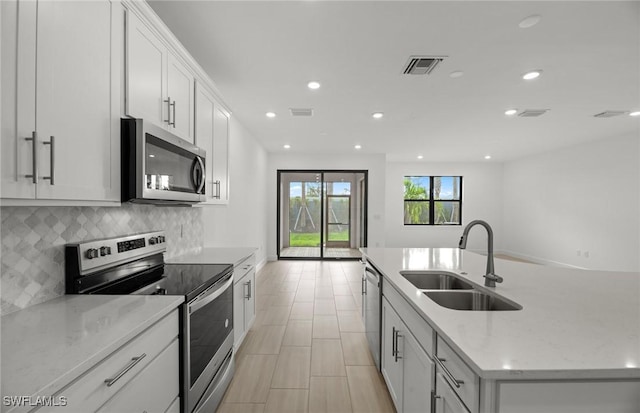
[432, 201]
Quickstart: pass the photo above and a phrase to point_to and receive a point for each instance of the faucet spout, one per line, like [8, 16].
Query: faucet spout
[490, 278]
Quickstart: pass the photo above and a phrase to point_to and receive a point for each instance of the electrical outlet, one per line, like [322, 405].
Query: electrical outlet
[586, 254]
[578, 253]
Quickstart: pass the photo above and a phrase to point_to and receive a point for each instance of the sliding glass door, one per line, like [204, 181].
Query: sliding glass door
[321, 214]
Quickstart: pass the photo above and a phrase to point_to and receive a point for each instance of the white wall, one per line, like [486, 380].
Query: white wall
[375, 164]
[243, 222]
[481, 199]
[584, 198]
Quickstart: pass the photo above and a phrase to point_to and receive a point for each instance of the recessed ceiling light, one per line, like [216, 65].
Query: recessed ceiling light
[456, 74]
[510, 112]
[152, 156]
[420, 156]
[313, 85]
[636, 113]
[270, 114]
[286, 146]
[487, 157]
[532, 75]
[358, 146]
[377, 115]
[529, 21]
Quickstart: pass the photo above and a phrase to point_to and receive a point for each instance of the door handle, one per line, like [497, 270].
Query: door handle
[34, 157]
[174, 114]
[395, 339]
[52, 159]
[248, 284]
[168, 102]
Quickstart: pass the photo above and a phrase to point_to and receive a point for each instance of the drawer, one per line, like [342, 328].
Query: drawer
[240, 270]
[416, 324]
[154, 389]
[88, 392]
[455, 370]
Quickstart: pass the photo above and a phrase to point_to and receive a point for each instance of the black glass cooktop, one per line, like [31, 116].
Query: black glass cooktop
[188, 279]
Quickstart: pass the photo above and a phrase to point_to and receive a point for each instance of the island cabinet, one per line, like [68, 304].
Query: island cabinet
[159, 86]
[60, 100]
[212, 134]
[244, 299]
[143, 375]
[406, 365]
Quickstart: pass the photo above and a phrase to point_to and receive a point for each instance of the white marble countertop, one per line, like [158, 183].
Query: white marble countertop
[46, 346]
[214, 256]
[575, 324]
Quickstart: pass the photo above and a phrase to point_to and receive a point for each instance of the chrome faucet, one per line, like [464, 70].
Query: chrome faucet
[490, 278]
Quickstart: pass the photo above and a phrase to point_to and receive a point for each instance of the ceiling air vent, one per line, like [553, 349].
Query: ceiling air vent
[609, 114]
[532, 113]
[422, 65]
[301, 111]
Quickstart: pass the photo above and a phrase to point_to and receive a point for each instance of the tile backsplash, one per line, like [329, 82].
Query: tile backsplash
[33, 240]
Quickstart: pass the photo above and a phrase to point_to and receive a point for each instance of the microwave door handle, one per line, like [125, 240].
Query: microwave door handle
[203, 176]
[196, 181]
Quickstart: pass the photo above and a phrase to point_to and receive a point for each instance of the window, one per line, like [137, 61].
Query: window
[432, 200]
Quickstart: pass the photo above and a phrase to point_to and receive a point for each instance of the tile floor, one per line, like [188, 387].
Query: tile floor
[307, 351]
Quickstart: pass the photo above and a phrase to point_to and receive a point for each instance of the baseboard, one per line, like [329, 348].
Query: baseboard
[539, 260]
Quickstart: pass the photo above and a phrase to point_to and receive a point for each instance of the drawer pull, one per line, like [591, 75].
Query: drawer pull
[397, 335]
[124, 371]
[450, 376]
[248, 284]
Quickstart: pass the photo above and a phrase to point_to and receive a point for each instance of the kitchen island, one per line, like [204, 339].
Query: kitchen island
[575, 327]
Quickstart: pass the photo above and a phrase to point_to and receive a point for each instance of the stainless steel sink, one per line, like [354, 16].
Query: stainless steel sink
[426, 280]
[472, 301]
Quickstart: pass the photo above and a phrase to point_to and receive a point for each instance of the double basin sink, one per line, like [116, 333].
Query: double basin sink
[451, 291]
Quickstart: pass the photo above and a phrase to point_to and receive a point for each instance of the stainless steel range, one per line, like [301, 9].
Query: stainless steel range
[135, 265]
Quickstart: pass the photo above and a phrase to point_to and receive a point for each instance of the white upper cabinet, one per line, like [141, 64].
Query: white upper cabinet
[159, 87]
[60, 114]
[212, 134]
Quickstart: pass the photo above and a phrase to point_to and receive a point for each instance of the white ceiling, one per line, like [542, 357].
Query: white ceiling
[262, 54]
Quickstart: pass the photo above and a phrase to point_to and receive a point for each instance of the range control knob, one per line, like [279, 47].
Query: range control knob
[105, 251]
[153, 240]
[92, 253]
[161, 238]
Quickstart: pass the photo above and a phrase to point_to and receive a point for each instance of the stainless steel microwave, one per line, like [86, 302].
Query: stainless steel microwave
[159, 167]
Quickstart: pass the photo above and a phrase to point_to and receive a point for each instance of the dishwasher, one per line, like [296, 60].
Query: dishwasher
[371, 304]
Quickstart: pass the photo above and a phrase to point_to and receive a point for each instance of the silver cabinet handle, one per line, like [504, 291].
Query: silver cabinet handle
[34, 155]
[168, 102]
[434, 400]
[217, 186]
[364, 286]
[110, 382]
[174, 114]
[248, 284]
[446, 371]
[395, 339]
[52, 159]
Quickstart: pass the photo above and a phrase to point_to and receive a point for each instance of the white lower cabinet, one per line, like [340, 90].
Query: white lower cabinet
[244, 299]
[156, 383]
[406, 367]
[142, 375]
[445, 398]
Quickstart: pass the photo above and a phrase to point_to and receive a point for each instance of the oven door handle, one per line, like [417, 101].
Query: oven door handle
[200, 302]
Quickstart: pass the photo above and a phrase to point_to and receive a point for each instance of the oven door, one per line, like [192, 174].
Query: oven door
[209, 337]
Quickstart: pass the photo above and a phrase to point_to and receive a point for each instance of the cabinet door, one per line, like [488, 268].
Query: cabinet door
[145, 73]
[180, 91]
[238, 312]
[446, 400]
[221, 154]
[250, 300]
[78, 135]
[153, 390]
[391, 361]
[18, 98]
[418, 374]
[204, 133]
